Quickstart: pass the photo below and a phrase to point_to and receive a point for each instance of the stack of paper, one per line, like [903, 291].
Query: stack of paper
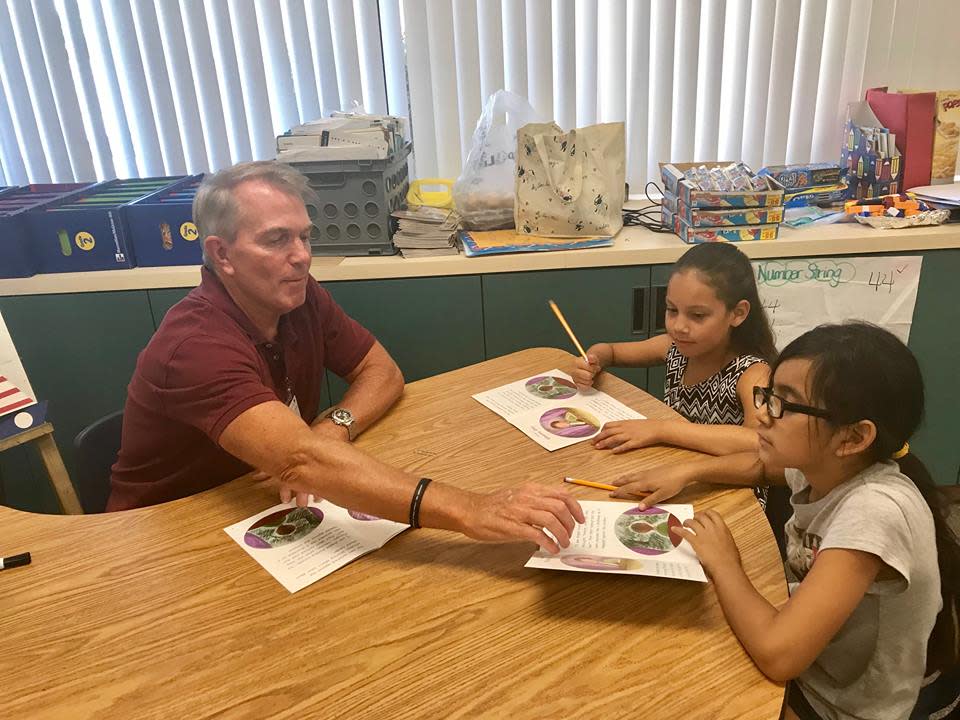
[343, 136]
[497, 242]
[426, 231]
[941, 196]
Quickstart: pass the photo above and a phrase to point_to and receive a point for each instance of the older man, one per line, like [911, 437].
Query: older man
[231, 381]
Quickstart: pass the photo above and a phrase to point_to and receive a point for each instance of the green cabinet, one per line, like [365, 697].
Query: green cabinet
[601, 305]
[162, 300]
[935, 340]
[79, 352]
[429, 325]
[80, 349]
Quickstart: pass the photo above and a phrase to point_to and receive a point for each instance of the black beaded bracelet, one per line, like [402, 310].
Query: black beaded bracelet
[416, 500]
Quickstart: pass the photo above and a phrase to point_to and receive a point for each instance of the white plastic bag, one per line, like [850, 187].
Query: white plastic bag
[484, 192]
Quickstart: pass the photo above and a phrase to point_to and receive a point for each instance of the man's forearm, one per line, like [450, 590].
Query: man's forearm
[374, 487]
[371, 394]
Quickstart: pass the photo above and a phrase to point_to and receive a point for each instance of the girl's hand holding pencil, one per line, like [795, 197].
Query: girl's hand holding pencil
[585, 371]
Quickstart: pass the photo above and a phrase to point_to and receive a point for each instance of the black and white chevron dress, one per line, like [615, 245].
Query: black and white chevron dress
[713, 401]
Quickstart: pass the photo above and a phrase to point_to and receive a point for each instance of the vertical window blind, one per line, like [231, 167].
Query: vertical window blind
[95, 89]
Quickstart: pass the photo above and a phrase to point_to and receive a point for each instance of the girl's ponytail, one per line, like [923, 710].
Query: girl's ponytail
[943, 651]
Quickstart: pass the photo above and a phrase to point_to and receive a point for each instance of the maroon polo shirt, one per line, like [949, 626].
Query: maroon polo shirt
[205, 366]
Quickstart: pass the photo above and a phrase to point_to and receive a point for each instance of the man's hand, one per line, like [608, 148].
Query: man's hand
[657, 484]
[524, 513]
[623, 435]
[712, 541]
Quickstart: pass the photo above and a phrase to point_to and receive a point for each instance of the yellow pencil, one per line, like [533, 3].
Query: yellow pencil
[589, 483]
[599, 486]
[563, 321]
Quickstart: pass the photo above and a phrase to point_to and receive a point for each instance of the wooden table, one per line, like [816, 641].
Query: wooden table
[157, 613]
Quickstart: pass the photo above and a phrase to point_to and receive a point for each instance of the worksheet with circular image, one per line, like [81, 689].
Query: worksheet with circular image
[550, 409]
[619, 537]
[551, 387]
[569, 422]
[283, 527]
[648, 532]
[300, 545]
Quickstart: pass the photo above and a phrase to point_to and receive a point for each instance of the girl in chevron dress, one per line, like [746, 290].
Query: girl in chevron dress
[716, 349]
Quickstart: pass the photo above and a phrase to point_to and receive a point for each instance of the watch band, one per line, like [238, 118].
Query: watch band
[351, 427]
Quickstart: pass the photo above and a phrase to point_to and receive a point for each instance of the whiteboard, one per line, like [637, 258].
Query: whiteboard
[800, 293]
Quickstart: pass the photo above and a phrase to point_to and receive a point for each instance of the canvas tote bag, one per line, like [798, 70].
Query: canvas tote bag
[570, 184]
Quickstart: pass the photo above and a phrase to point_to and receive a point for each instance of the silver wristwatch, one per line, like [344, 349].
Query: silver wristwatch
[342, 417]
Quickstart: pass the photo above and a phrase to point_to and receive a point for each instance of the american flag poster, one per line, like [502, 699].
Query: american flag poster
[15, 391]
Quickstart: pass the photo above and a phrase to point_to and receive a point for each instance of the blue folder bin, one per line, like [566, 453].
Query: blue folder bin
[161, 226]
[86, 230]
[18, 257]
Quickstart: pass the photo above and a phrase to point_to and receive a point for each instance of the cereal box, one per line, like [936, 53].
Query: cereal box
[946, 139]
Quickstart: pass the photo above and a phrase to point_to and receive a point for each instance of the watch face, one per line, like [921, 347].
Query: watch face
[341, 416]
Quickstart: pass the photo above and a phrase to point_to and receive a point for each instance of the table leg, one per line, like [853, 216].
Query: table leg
[66, 493]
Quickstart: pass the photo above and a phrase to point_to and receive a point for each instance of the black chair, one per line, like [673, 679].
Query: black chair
[939, 699]
[95, 450]
[778, 511]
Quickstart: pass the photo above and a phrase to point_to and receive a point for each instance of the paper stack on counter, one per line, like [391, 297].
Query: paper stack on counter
[943, 196]
[343, 136]
[426, 231]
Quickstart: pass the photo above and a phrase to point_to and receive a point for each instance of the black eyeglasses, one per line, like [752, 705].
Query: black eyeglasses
[776, 405]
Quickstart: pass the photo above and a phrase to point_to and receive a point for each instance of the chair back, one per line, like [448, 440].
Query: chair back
[95, 450]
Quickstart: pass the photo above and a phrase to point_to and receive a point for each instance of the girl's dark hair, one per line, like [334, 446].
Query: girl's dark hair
[730, 274]
[862, 372]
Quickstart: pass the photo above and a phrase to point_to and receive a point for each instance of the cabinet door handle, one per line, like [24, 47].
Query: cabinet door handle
[658, 322]
[641, 297]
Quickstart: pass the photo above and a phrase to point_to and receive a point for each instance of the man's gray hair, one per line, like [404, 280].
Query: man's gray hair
[215, 211]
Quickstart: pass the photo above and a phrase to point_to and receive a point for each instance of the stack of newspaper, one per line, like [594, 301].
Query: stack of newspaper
[343, 136]
[426, 231]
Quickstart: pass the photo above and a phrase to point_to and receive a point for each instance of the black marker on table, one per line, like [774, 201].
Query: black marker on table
[15, 561]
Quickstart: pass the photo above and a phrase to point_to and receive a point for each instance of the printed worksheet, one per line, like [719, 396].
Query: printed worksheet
[618, 537]
[300, 545]
[549, 409]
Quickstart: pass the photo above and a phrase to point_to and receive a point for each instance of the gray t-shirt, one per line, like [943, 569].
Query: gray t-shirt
[873, 667]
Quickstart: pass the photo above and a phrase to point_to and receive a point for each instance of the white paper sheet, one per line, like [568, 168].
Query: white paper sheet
[298, 546]
[549, 409]
[801, 293]
[618, 538]
[15, 391]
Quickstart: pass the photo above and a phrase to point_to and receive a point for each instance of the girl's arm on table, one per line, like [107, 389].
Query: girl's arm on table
[643, 353]
[782, 642]
[664, 481]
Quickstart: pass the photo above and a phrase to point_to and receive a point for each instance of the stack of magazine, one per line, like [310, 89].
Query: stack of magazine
[343, 136]
[426, 231]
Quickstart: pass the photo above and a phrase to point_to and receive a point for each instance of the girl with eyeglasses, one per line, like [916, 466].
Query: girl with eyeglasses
[717, 347]
[873, 566]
